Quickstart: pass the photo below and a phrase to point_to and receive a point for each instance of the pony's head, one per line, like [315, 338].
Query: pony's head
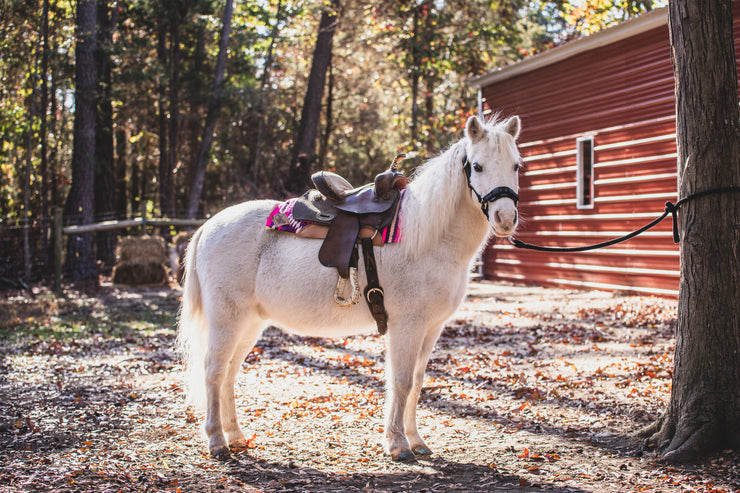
[491, 165]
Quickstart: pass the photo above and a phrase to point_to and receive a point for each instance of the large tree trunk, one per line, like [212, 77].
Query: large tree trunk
[264, 99]
[43, 131]
[703, 415]
[105, 182]
[328, 119]
[80, 260]
[167, 186]
[415, 76]
[304, 147]
[162, 118]
[122, 157]
[137, 182]
[199, 173]
[44, 165]
[197, 91]
[54, 125]
[27, 178]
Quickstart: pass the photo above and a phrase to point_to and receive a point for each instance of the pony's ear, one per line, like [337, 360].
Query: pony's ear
[512, 126]
[474, 130]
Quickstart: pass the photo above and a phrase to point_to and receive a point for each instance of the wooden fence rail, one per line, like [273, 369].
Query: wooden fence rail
[60, 230]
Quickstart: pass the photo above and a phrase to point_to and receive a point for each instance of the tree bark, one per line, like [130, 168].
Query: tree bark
[137, 181]
[197, 98]
[43, 114]
[703, 415]
[105, 184]
[304, 148]
[429, 108]
[80, 260]
[43, 132]
[328, 119]
[167, 184]
[122, 157]
[415, 76]
[164, 162]
[264, 99]
[27, 177]
[199, 174]
[54, 125]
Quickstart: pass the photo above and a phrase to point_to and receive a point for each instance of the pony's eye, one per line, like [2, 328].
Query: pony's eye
[477, 167]
[517, 166]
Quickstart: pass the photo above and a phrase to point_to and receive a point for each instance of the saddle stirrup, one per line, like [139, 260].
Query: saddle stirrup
[355, 285]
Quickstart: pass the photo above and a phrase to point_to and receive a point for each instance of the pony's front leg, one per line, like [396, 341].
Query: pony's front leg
[417, 443]
[400, 365]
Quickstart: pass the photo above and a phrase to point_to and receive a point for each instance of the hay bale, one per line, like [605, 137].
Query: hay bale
[141, 250]
[140, 260]
[138, 274]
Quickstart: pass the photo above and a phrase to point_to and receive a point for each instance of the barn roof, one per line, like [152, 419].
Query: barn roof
[631, 27]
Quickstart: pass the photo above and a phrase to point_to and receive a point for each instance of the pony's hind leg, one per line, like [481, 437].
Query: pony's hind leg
[224, 342]
[250, 334]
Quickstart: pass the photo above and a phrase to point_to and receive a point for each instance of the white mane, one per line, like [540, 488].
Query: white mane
[426, 213]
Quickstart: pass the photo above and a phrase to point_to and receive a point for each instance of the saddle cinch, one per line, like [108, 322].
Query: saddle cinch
[345, 216]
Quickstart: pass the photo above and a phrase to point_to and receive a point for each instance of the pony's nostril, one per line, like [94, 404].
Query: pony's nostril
[506, 219]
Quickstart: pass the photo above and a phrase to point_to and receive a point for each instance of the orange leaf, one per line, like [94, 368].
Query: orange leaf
[250, 442]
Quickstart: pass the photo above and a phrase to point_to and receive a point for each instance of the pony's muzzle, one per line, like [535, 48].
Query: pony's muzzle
[504, 217]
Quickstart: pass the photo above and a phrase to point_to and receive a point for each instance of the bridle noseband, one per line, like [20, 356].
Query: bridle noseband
[493, 195]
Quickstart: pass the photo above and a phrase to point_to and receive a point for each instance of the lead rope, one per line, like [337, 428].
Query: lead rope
[670, 208]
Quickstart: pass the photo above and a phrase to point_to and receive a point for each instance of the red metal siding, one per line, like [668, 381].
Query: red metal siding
[621, 95]
[627, 81]
[634, 174]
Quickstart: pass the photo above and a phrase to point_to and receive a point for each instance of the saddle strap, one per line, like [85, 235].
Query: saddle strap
[373, 292]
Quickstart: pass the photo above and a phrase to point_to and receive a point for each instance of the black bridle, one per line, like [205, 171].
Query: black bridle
[493, 195]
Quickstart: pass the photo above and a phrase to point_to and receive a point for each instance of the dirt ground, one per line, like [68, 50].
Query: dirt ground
[529, 389]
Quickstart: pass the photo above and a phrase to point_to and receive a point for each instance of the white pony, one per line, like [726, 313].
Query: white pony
[240, 277]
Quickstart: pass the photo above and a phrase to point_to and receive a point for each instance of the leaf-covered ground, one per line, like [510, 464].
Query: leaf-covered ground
[529, 389]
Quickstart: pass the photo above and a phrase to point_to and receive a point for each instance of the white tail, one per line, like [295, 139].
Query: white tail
[192, 338]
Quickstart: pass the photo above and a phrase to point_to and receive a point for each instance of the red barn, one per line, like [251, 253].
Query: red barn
[599, 150]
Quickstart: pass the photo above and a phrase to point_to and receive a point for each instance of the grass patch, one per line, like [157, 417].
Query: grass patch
[109, 313]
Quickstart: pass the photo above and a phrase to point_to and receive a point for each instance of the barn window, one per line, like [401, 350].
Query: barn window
[585, 173]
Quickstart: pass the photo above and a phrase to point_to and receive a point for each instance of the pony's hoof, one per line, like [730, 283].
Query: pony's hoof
[240, 445]
[221, 453]
[423, 451]
[404, 456]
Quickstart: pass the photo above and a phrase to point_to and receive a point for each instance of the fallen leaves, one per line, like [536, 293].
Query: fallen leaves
[519, 391]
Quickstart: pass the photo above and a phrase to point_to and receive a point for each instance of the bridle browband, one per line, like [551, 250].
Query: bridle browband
[493, 195]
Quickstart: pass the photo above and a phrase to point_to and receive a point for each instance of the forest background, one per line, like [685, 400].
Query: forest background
[193, 105]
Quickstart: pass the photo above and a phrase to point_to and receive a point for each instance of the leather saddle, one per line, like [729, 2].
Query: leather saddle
[343, 214]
